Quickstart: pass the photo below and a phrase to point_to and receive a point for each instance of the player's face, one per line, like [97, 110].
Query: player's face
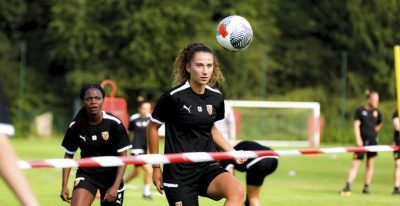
[93, 101]
[201, 68]
[373, 100]
[145, 109]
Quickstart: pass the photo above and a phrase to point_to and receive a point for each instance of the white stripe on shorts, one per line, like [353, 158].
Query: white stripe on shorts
[170, 185]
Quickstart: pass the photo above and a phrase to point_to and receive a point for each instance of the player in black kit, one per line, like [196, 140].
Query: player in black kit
[189, 111]
[256, 170]
[396, 154]
[367, 123]
[138, 126]
[96, 133]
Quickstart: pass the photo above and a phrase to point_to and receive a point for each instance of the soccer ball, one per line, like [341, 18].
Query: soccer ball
[234, 33]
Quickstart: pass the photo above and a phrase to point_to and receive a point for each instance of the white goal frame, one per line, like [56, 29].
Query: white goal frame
[314, 140]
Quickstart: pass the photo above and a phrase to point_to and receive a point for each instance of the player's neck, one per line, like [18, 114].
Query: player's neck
[196, 87]
[95, 119]
[367, 107]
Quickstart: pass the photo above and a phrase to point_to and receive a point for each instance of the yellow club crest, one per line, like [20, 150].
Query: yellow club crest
[105, 135]
[209, 109]
[179, 203]
[375, 114]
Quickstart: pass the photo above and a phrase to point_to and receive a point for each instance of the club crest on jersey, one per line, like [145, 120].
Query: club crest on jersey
[209, 109]
[179, 203]
[375, 114]
[105, 135]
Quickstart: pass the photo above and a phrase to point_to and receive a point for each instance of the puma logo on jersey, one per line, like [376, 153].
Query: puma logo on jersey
[187, 108]
[82, 137]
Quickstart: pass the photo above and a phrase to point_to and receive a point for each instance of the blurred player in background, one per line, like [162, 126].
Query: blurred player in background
[96, 133]
[396, 154]
[9, 169]
[227, 126]
[257, 169]
[138, 125]
[367, 123]
[189, 112]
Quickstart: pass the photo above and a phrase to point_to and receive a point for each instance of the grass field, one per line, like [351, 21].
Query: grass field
[317, 181]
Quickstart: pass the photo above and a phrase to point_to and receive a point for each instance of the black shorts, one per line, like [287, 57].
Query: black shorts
[139, 146]
[261, 168]
[360, 155]
[89, 184]
[187, 195]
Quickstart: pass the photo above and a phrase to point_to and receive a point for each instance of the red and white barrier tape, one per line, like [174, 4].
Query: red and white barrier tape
[113, 161]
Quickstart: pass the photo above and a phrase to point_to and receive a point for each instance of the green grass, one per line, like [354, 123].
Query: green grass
[317, 182]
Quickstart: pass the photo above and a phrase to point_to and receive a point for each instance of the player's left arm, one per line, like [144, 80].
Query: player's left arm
[12, 175]
[220, 140]
[223, 144]
[378, 127]
[112, 192]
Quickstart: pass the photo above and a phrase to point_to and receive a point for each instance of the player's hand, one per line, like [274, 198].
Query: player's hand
[241, 160]
[111, 194]
[360, 143]
[65, 195]
[158, 179]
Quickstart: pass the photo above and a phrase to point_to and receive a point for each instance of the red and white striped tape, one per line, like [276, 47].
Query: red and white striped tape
[113, 161]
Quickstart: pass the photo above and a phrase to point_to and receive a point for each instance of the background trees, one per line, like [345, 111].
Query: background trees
[298, 51]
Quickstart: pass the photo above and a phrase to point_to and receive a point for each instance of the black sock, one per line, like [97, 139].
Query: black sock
[396, 188]
[348, 185]
[365, 186]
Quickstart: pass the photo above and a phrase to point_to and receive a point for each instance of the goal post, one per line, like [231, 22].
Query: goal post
[312, 121]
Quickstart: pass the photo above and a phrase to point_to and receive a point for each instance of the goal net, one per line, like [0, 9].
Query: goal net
[276, 123]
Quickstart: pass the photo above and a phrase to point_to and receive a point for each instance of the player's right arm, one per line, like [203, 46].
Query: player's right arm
[357, 132]
[69, 145]
[64, 185]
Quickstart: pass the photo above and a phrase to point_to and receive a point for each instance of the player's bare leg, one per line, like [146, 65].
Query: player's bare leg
[82, 197]
[351, 176]
[133, 174]
[396, 190]
[226, 186]
[253, 195]
[369, 173]
[147, 181]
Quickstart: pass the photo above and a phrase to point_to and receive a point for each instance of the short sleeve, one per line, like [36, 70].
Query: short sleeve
[5, 122]
[123, 142]
[220, 111]
[162, 110]
[358, 114]
[379, 117]
[70, 143]
[131, 126]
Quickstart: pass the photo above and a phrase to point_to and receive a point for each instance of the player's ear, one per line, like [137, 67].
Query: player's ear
[187, 68]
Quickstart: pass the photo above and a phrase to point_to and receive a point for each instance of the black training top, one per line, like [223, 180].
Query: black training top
[369, 120]
[188, 119]
[5, 121]
[138, 125]
[108, 138]
[396, 136]
[246, 146]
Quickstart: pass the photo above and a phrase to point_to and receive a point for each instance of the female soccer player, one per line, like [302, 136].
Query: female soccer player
[9, 170]
[367, 123]
[396, 154]
[138, 125]
[96, 133]
[189, 111]
[256, 170]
